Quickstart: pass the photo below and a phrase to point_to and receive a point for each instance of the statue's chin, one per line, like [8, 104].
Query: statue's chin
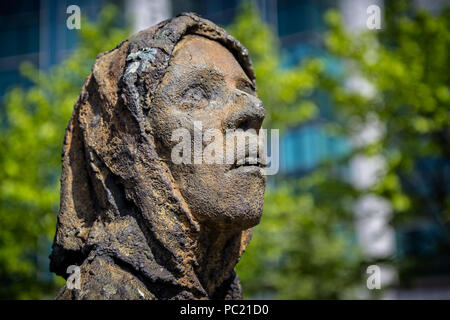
[235, 214]
[222, 199]
[239, 222]
[248, 221]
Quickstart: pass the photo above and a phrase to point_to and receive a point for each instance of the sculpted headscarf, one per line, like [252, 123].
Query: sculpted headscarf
[118, 198]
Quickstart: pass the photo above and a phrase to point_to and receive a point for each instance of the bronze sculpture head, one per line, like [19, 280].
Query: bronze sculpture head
[139, 225]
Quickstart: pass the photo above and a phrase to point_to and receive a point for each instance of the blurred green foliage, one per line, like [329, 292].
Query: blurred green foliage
[406, 64]
[301, 249]
[304, 247]
[31, 137]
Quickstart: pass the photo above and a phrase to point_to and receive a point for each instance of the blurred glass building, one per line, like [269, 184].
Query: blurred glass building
[36, 31]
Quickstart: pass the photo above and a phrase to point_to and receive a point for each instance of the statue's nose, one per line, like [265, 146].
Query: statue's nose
[249, 116]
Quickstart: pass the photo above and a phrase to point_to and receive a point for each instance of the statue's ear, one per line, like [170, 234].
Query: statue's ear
[77, 206]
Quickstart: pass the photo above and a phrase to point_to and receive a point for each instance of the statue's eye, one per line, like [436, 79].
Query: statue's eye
[246, 86]
[195, 96]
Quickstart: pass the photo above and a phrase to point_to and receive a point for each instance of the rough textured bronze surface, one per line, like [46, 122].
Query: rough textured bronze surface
[139, 226]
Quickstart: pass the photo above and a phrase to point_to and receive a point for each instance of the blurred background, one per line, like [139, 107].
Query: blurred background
[364, 116]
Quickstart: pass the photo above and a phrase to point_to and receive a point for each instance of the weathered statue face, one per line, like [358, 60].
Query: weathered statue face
[205, 84]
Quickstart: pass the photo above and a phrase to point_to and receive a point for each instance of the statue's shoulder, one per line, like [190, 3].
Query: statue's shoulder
[102, 279]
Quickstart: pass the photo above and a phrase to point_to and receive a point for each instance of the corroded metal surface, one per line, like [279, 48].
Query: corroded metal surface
[139, 226]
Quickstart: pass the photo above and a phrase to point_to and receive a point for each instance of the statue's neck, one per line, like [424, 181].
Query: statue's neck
[217, 257]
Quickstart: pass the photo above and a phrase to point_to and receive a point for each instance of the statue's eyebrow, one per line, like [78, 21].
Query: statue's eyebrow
[200, 74]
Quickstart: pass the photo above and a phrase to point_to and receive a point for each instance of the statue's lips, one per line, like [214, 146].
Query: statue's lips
[251, 169]
[248, 165]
